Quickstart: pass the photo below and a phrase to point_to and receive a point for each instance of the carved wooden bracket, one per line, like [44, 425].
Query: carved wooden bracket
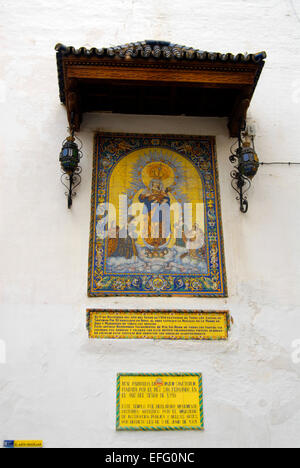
[73, 99]
[238, 116]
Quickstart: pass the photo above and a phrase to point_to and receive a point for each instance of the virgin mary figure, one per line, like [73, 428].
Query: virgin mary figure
[157, 209]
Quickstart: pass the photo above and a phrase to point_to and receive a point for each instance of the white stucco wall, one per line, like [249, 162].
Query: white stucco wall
[58, 386]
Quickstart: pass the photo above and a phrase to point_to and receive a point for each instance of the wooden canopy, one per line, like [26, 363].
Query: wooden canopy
[157, 78]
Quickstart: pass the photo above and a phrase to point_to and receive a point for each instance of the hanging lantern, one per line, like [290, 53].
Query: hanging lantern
[247, 166]
[248, 160]
[69, 158]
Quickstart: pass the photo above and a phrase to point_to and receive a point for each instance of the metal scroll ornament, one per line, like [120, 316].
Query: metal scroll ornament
[247, 164]
[69, 158]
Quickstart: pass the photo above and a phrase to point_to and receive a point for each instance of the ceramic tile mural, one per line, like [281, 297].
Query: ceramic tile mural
[156, 221]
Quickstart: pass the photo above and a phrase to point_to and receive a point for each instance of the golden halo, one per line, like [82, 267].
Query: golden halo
[158, 171]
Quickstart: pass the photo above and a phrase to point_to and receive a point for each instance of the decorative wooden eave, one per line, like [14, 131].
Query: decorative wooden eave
[157, 78]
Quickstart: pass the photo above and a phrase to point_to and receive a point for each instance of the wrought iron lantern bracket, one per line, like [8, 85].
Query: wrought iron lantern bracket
[69, 158]
[246, 166]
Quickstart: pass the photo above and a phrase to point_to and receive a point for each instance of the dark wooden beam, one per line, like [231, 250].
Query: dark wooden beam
[199, 77]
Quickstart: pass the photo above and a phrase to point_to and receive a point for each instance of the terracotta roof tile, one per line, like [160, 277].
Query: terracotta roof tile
[159, 49]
